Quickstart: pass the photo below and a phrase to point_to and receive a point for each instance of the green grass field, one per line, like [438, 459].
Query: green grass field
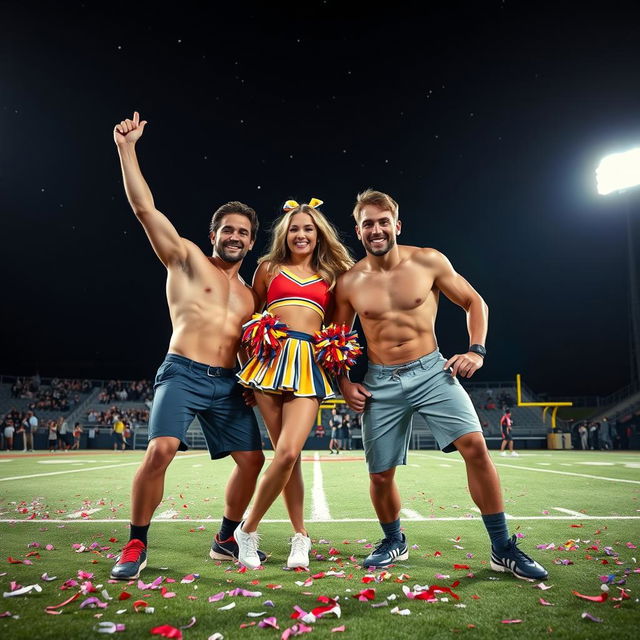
[584, 503]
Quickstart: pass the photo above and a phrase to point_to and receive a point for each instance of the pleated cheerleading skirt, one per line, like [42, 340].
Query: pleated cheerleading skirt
[294, 369]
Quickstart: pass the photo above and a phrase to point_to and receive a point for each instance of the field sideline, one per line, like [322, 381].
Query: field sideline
[581, 508]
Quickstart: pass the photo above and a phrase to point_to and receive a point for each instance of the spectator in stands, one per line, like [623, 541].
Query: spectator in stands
[118, 434]
[77, 434]
[8, 432]
[91, 436]
[320, 432]
[593, 436]
[52, 428]
[606, 440]
[584, 436]
[335, 423]
[506, 425]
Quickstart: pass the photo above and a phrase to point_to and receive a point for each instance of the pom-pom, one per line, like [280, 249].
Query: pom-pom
[336, 348]
[263, 334]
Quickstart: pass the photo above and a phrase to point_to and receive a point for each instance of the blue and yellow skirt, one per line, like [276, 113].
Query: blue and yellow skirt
[294, 369]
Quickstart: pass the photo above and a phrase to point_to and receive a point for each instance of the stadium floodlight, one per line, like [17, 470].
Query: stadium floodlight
[618, 171]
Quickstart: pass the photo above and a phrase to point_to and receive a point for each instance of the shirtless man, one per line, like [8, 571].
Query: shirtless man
[208, 303]
[395, 290]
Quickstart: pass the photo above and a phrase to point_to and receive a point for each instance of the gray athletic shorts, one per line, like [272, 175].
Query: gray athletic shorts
[185, 389]
[398, 391]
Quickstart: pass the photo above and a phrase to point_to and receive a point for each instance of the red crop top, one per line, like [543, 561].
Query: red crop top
[289, 289]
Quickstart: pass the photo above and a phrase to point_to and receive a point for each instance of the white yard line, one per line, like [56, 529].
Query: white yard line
[577, 514]
[319, 505]
[108, 466]
[327, 520]
[165, 515]
[562, 473]
[409, 514]
[78, 514]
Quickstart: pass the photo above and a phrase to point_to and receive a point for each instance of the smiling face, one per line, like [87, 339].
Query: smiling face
[302, 235]
[377, 229]
[232, 240]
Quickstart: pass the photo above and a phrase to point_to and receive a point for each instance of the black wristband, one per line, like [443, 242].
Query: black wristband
[479, 349]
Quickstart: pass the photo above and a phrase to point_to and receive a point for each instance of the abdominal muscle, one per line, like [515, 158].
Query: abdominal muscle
[396, 340]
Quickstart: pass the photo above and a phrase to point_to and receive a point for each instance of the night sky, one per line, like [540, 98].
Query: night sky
[485, 120]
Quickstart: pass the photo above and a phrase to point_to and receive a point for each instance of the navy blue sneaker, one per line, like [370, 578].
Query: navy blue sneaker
[131, 562]
[519, 563]
[228, 550]
[388, 552]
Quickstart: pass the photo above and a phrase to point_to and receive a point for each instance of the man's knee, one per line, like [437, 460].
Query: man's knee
[382, 480]
[160, 453]
[249, 462]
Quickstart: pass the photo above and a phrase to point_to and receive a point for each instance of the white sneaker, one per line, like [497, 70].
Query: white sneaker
[247, 547]
[503, 453]
[513, 453]
[300, 547]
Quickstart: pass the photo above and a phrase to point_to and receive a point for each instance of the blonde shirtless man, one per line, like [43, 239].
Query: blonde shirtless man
[208, 303]
[395, 291]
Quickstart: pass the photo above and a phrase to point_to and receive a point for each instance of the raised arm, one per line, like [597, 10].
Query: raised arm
[164, 238]
[459, 291]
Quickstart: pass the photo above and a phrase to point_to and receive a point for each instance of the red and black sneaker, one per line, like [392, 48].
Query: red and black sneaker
[131, 562]
[228, 549]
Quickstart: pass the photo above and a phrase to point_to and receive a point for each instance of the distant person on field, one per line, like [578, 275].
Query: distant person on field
[606, 440]
[506, 424]
[584, 436]
[52, 428]
[335, 423]
[77, 434]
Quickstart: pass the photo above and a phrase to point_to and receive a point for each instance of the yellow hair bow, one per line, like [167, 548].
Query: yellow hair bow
[292, 204]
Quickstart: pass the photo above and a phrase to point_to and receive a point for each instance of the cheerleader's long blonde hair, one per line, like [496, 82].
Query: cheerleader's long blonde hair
[330, 257]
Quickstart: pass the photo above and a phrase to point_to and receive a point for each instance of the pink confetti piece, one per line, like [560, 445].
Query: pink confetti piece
[511, 621]
[84, 575]
[189, 624]
[217, 597]
[543, 602]
[629, 545]
[109, 627]
[269, 623]
[268, 603]
[244, 592]
[22, 591]
[167, 631]
[189, 579]
[93, 602]
[296, 630]
[336, 629]
[53, 607]
[151, 585]
[588, 616]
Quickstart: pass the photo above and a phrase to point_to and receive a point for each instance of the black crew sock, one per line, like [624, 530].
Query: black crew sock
[227, 528]
[138, 533]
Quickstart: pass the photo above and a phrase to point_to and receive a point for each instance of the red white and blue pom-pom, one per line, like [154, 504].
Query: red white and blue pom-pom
[263, 335]
[336, 348]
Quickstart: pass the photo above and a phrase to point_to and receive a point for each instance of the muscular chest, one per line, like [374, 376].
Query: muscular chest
[401, 292]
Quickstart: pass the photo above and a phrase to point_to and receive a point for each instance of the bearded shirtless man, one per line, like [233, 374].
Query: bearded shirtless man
[395, 291]
[208, 303]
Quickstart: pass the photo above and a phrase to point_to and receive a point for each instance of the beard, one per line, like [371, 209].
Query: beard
[391, 242]
[221, 250]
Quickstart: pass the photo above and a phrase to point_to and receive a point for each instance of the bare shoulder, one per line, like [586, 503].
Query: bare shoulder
[424, 256]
